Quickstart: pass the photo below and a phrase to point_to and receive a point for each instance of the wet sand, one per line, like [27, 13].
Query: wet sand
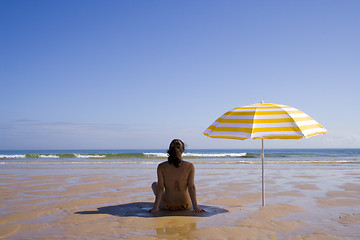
[312, 202]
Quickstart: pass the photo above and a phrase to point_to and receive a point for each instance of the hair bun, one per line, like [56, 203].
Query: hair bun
[173, 158]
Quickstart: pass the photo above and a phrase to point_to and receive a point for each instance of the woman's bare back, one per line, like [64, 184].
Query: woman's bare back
[176, 182]
[175, 189]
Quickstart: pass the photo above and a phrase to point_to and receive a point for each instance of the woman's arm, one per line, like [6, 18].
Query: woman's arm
[192, 190]
[159, 192]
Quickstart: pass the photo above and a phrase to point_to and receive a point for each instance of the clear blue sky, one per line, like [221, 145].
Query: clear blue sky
[136, 74]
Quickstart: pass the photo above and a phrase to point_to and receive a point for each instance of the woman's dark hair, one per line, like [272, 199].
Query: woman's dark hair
[173, 158]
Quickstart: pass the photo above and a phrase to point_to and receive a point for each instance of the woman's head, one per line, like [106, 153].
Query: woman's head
[176, 149]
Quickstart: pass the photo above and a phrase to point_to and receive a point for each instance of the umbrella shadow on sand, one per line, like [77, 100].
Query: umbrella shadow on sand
[140, 209]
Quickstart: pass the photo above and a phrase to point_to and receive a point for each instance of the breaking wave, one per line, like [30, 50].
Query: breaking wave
[198, 156]
[122, 155]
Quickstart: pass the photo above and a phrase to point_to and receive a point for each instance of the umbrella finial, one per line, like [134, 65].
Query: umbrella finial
[262, 102]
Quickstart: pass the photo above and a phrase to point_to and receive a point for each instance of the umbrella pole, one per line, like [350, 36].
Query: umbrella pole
[262, 163]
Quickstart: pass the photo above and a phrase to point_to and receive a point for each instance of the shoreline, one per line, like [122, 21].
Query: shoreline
[104, 203]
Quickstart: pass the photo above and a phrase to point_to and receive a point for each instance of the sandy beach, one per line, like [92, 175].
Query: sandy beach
[99, 202]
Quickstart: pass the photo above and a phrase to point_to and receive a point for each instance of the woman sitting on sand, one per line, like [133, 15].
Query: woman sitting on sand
[175, 186]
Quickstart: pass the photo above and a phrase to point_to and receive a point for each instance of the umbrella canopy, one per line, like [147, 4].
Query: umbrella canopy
[264, 121]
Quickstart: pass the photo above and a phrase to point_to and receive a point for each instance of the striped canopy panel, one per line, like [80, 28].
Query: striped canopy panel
[264, 121]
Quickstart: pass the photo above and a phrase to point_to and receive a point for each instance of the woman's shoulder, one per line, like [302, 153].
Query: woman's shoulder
[188, 164]
[166, 164]
[163, 164]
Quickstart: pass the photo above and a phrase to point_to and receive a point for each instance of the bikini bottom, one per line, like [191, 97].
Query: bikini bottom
[177, 206]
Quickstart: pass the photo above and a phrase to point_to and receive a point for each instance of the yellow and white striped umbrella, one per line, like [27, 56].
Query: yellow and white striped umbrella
[264, 121]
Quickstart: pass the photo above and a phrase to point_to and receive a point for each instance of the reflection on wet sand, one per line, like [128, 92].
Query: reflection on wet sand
[180, 229]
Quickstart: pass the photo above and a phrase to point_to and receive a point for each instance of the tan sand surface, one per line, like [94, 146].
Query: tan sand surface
[349, 219]
[307, 186]
[352, 187]
[68, 205]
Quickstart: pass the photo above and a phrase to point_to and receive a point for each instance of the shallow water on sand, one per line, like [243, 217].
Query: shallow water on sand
[109, 200]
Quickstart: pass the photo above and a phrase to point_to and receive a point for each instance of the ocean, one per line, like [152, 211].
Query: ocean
[344, 157]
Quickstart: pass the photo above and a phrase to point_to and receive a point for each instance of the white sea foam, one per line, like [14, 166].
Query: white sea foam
[162, 155]
[216, 162]
[89, 156]
[12, 156]
[199, 155]
[210, 155]
[48, 156]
